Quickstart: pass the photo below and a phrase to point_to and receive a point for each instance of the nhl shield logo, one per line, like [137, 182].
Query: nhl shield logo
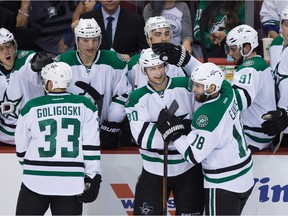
[202, 121]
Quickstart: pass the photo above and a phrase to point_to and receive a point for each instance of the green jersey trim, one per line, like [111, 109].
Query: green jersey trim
[203, 119]
[228, 178]
[53, 173]
[258, 139]
[58, 99]
[159, 160]
[133, 61]
[91, 157]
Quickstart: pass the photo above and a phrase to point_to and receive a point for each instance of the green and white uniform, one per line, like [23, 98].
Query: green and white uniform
[16, 88]
[142, 111]
[217, 141]
[107, 75]
[254, 85]
[55, 143]
[275, 52]
[138, 79]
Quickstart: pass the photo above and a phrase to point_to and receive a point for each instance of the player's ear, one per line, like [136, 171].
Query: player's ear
[212, 88]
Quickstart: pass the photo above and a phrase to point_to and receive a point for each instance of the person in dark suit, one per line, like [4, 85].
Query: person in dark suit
[127, 28]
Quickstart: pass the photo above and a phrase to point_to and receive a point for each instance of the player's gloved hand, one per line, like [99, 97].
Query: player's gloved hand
[187, 124]
[171, 128]
[40, 60]
[172, 54]
[91, 191]
[276, 122]
[109, 134]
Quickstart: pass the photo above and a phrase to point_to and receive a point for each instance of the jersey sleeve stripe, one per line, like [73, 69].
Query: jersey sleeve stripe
[142, 132]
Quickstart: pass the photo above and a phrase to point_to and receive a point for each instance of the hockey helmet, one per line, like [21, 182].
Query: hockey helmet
[149, 59]
[208, 74]
[240, 35]
[6, 36]
[87, 28]
[156, 23]
[284, 14]
[59, 73]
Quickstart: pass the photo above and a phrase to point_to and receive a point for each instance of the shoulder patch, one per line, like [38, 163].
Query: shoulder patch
[120, 57]
[22, 54]
[202, 121]
[248, 63]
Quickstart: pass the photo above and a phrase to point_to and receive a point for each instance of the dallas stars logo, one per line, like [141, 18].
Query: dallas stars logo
[9, 107]
[202, 121]
[145, 209]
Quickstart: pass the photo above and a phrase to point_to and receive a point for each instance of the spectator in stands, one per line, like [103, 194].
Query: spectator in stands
[82, 7]
[270, 14]
[215, 19]
[126, 35]
[19, 82]
[47, 21]
[178, 14]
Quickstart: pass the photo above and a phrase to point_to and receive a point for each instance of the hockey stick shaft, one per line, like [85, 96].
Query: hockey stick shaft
[97, 97]
[171, 111]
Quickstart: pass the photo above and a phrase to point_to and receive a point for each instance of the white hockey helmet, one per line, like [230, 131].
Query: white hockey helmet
[59, 73]
[208, 74]
[6, 36]
[149, 59]
[87, 28]
[284, 14]
[240, 35]
[156, 23]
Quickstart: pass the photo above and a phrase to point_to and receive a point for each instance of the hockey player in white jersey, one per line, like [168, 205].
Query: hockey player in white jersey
[253, 83]
[59, 152]
[104, 71]
[279, 43]
[157, 30]
[142, 109]
[216, 141]
[18, 82]
[279, 57]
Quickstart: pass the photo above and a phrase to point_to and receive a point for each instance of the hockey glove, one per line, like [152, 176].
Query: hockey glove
[40, 60]
[109, 134]
[276, 122]
[171, 128]
[175, 55]
[91, 191]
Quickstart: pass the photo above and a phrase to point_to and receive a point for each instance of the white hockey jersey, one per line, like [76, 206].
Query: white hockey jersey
[275, 52]
[254, 85]
[142, 110]
[56, 145]
[108, 75]
[16, 88]
[217, 141]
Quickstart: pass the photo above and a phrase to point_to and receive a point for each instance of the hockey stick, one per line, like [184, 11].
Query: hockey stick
[97, 97]
[172, 109]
